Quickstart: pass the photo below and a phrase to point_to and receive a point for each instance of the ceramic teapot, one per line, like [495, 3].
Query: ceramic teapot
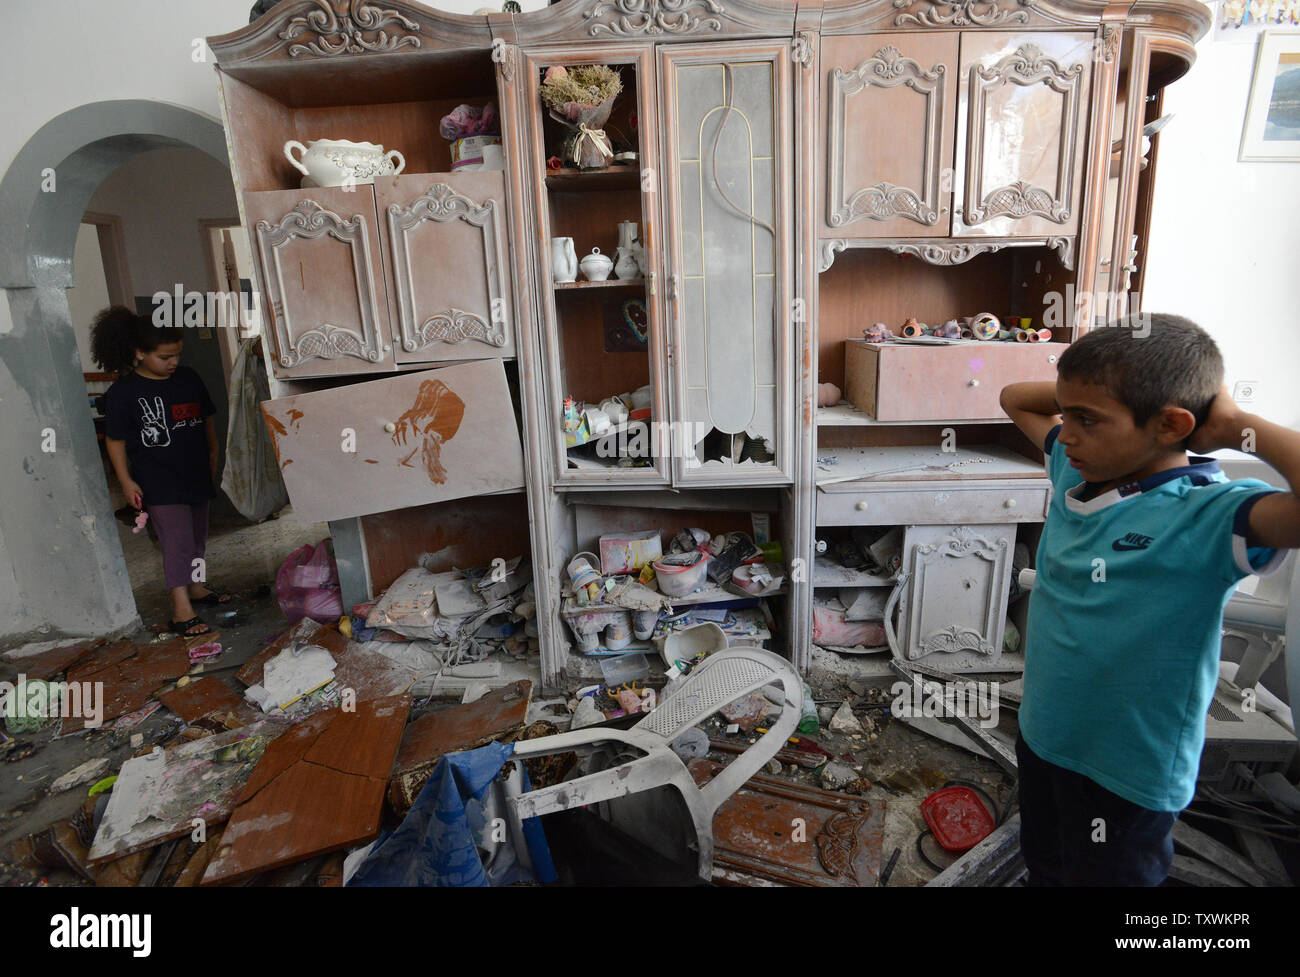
[339, 162]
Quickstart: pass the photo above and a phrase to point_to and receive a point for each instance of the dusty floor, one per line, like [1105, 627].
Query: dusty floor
[240, 555]
[901, 764]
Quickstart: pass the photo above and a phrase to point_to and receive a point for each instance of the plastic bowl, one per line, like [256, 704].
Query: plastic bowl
[678, 581]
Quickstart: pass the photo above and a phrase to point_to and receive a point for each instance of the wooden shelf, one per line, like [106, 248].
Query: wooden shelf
[845, 414]
[611, 178]
[609, 283]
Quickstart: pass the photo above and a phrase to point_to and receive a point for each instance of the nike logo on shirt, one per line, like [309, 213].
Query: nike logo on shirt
[1132, 541]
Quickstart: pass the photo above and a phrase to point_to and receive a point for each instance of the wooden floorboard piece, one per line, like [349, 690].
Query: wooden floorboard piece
[463, 727]
[318, 788]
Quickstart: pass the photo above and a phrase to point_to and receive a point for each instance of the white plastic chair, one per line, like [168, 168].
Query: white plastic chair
[720, 679]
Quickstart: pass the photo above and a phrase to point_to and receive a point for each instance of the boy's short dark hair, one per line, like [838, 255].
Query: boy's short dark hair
[1149, 361]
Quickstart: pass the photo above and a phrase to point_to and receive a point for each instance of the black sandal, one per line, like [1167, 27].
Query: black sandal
[183, 627]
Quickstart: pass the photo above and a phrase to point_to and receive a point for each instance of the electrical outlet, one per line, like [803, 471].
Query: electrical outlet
[1245, 391]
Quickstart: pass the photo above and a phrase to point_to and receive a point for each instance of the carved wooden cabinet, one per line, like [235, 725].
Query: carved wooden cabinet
[953, 607]
[958, 156]
[323, 280]
[449, 292]
[1021, 126]
[889, 123]
[727, 191]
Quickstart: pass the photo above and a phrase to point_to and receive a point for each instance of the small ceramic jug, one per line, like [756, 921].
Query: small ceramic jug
[596, 266]
[564, 260]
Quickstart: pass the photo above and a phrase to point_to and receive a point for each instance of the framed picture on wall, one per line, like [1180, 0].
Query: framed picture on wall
[1272, 130]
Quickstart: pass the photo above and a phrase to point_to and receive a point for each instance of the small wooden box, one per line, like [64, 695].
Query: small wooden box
[899, 382]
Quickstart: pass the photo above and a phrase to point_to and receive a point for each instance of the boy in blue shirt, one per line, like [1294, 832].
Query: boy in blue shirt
[1141, 549]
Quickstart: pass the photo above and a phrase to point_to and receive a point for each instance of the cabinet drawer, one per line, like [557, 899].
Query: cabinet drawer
[939, 383]
[935, 503]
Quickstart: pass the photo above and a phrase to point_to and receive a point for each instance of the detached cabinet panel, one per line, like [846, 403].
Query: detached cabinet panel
[422, 437]
[1021, 133]
[888, 130]
[954, 609]
[444, 247]
[727, 124]
[319, 251]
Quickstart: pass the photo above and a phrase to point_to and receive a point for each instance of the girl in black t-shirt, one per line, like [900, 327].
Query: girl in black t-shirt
[163, 445]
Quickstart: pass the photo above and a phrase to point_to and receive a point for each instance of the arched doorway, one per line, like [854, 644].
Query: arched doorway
[62, 571]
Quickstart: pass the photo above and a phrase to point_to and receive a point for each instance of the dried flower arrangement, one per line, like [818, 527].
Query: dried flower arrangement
[582, 97]
[568, 91]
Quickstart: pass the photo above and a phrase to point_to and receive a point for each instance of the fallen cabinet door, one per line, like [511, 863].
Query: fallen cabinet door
[389, 444]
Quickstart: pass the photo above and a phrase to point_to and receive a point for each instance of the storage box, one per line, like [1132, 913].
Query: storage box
[901, 382]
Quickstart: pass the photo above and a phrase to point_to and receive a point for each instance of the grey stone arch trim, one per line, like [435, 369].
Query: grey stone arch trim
[83, 146]
[58, 542]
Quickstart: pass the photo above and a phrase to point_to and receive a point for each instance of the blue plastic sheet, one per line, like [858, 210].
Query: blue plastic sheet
[438, 842]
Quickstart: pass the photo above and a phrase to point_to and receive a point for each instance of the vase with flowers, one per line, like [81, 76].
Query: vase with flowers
[581, 98]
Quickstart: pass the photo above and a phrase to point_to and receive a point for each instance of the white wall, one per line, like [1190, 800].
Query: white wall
[160, 197]
[1225, 236]
[70, 52]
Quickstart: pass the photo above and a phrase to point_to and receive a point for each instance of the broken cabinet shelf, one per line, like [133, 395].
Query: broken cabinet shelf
[844, 414]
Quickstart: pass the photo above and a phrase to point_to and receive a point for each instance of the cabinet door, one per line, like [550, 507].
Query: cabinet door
[321, 270]
[888, 134]
[444, 250]
[955, 605]
[425, 436]
[1022, 119]
[727, 156]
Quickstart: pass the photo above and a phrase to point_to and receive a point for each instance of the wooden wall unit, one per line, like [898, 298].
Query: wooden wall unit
[928, 158]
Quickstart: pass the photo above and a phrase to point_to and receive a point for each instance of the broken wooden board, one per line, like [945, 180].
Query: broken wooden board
[317, 789]
[202, 698]
[131, 674]
[988, 862]
[368, 674]
[1193, 871]
[427, 436]
[158, 796]
[464, 727]
[1220, 855]
[48, 663]
[757, 840]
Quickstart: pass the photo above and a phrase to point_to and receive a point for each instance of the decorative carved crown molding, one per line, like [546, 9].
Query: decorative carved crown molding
[356, 27]
[631, 18]
[962, 13]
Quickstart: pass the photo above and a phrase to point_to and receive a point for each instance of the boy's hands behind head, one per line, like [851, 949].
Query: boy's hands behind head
[1223, 426]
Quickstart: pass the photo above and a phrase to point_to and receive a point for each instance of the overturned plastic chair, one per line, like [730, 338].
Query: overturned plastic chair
[719, 680]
